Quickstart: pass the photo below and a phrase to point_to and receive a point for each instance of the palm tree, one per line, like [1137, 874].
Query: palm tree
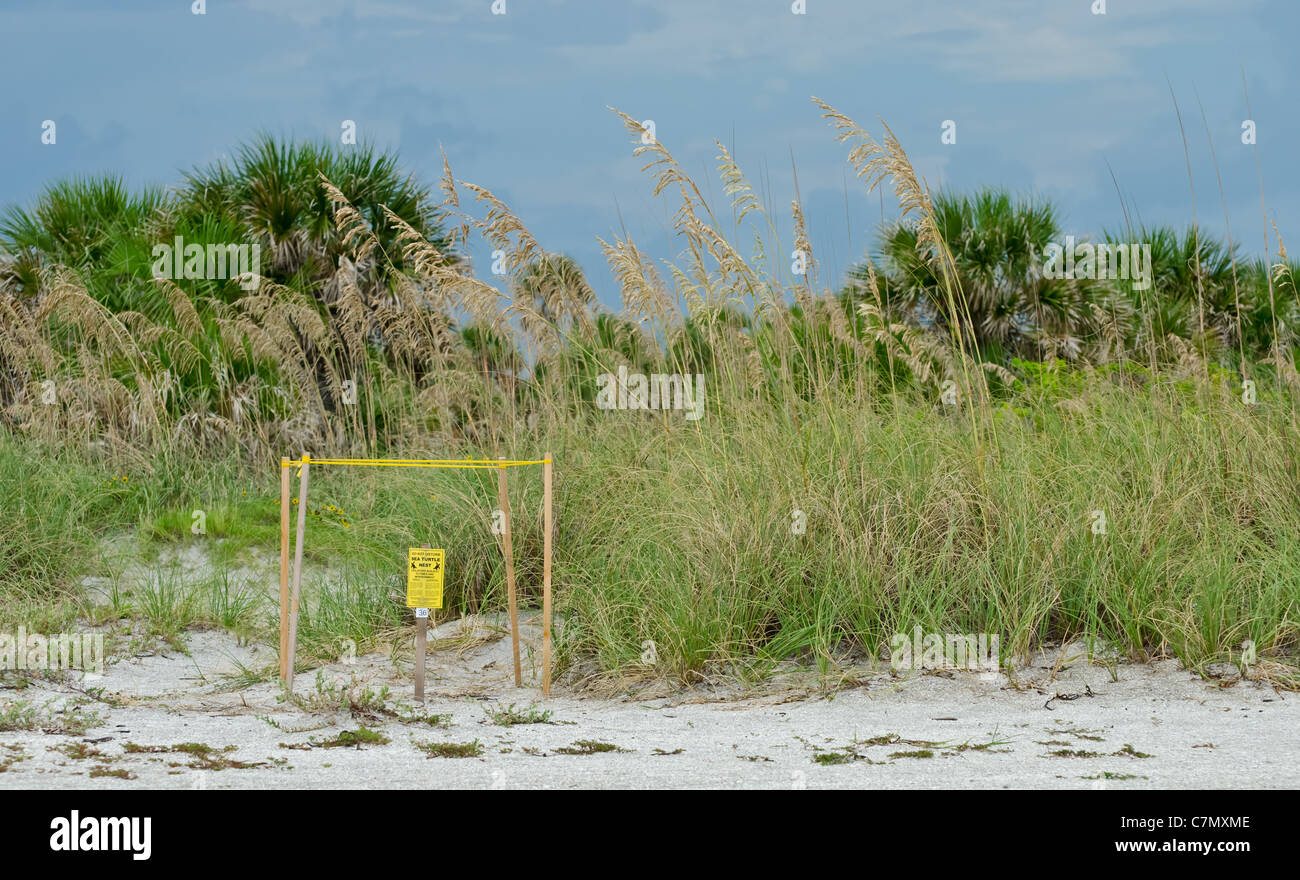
[274, 191]
[1193, 294]
[83, 223]
[271, 195]
[1004, 304]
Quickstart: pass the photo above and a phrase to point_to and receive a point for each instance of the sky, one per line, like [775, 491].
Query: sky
[1047, 97]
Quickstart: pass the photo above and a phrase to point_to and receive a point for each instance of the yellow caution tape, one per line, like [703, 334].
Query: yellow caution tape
[415, 462]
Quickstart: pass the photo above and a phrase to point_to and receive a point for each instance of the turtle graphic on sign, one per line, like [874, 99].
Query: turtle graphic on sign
[424, 577]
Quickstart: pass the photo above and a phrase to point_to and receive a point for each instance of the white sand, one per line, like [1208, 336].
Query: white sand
[1200, 735]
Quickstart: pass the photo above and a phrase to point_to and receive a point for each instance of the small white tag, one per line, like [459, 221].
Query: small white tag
[421, 612]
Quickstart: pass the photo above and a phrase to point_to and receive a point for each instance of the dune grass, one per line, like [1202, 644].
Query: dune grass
[856, 473]
[687, 536]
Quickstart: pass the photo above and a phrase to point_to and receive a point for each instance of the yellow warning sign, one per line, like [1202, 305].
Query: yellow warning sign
[424, 570]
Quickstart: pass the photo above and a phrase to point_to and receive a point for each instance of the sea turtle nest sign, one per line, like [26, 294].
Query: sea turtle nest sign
[424, 574]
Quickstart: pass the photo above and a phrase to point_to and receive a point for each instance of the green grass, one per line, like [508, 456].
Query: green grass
[362, 736]
[78, 751]
[829, 759]
[508, 716]
[54, 509]
[356, 698]
[473, 749]
[11, 754]
[201, 756]
[910, 524]
[116, 772]
[353, 607]
[588, 747]
[913, 518]
[69, 719]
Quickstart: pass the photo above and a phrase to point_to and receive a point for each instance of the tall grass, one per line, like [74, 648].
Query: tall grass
[968, 516]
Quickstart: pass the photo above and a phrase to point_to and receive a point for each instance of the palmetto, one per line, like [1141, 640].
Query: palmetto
[91, 222]
[273, 189]
[1003, 304]
[208, 350]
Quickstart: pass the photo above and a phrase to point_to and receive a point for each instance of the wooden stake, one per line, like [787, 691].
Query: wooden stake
[546, 576]
[297, 570]
[503, 497]
[421, 643]
[284, 567]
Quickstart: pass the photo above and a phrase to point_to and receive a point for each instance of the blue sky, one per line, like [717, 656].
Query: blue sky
[1047, 98]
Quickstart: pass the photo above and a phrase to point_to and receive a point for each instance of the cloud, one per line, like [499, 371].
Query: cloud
[1016, 41]
[315, 12]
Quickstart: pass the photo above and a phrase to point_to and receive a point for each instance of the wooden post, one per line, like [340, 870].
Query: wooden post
[503, 497]
[284, 567]
[297, 570]
[421, 643]
[546, 576]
